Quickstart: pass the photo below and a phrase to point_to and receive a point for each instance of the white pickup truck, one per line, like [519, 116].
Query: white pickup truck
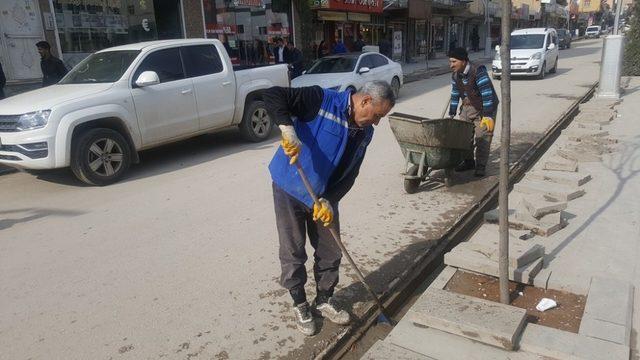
[124, 99]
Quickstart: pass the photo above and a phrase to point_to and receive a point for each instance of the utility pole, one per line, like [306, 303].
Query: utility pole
[616, 22]
[505, 142]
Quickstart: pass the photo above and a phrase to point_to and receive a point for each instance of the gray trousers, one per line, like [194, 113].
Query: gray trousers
[482, 138]
[295, 221]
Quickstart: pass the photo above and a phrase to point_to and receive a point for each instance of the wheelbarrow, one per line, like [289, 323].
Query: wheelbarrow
[431, 144]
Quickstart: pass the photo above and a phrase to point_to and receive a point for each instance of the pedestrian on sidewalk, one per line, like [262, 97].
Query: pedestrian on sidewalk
[3, 82]
[53, 69]
[471, 84]
[327, 133]
[295, 60]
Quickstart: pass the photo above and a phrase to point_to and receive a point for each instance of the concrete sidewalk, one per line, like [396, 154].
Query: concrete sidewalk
[594, 252]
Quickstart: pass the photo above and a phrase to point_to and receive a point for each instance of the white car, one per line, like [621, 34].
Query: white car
[534, 52]
[593, 31]
[351, 71]
[121, 100]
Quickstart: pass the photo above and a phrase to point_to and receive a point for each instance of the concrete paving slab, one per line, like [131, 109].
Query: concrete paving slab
[594, 118]
[605, 330]
[548, 190]
[383, 350]
[610, 300]
[558, 344]
[545, 226]
[579, 156]
[445, 346]
[560, 177]
[589, 125]
[539, 207]
[476, 319]
[599, 104]
[443, 278]
[560, 164]
[483, 265]
[521, 253]
[577, 134]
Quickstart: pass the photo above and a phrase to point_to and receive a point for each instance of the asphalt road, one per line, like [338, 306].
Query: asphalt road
[180, 259]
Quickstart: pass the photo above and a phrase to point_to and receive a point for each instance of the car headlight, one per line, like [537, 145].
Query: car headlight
[336, 88]
[33, 120]
[536, 56]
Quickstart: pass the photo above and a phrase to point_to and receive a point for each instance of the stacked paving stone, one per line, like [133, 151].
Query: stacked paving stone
[446, 325]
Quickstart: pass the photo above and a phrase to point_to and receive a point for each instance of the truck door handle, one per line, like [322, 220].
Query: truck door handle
[225, 83]
[186, 91]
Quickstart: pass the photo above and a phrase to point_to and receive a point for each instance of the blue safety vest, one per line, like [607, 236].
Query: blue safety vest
[323, 142]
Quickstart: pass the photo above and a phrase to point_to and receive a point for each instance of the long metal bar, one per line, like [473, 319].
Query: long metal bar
[505, 142]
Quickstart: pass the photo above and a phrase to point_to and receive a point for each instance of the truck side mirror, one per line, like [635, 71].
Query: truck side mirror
[147, 78]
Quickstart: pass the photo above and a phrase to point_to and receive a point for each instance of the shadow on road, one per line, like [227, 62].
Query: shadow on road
[173, 157]
[30, 214]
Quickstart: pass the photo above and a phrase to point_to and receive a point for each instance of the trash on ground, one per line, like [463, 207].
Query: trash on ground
[546, 304]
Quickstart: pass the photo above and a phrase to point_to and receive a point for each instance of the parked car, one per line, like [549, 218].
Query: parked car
[121, 100]
[351, 71]
[564, 38]
[593, 31]
[534, 52]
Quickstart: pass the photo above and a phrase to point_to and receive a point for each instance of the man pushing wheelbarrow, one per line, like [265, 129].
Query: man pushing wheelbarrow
[471, 84]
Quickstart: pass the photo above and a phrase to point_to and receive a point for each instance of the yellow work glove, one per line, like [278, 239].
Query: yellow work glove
[290, 142]
[487, 123]
[323, 212]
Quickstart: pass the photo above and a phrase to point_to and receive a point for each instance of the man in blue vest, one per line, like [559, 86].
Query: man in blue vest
[327, 133]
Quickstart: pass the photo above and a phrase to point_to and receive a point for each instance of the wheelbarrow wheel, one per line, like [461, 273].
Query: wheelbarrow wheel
[411, 185]
[448, 177]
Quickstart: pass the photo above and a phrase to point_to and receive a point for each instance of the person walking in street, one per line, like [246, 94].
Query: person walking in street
[359, 44]
[471, 84]
[322, 50]
[339, 48]
[295, 60]
[327, 133]
[281, 52]
[3, 82]
[53, 69]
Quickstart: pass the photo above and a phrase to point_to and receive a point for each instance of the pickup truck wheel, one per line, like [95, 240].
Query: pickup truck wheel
[256, 123]
[100, 157]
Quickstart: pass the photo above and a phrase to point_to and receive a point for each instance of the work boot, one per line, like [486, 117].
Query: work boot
[329, 310]
[479, 171]
[304, 319]
[466, 165]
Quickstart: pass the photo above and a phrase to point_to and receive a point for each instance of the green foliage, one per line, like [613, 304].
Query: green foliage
[632, 49]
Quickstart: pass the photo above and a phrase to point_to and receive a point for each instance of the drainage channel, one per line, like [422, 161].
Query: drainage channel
[356, 340]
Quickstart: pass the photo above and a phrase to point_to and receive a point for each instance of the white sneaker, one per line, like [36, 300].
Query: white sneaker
[331, 312]
[304, 319]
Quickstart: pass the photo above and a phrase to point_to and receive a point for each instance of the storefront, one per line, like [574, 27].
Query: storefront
[86, 26]
[346, 20]
[248, 28]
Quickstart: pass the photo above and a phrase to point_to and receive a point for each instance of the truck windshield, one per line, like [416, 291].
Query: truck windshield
[333, 65]
[527, 41]
[103, 67]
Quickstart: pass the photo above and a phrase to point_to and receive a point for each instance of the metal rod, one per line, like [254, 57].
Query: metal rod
[616, 23]
[505, 141]
[336, 237]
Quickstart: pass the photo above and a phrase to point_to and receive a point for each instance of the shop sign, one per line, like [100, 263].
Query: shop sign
[250, 3]
[278, 30]
[332, 16]
[366, 18]
[221, 29]
[361, 6]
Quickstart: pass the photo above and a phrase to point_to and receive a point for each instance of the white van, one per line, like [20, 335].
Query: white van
[593, 31]
[534, 52]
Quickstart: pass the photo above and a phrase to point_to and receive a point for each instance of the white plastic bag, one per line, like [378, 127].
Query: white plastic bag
[546, 304]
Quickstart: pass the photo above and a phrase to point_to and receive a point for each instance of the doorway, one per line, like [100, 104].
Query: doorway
[168, 19]
[20, 30]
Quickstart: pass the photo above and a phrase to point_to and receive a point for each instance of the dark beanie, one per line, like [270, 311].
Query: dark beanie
[459, 53]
